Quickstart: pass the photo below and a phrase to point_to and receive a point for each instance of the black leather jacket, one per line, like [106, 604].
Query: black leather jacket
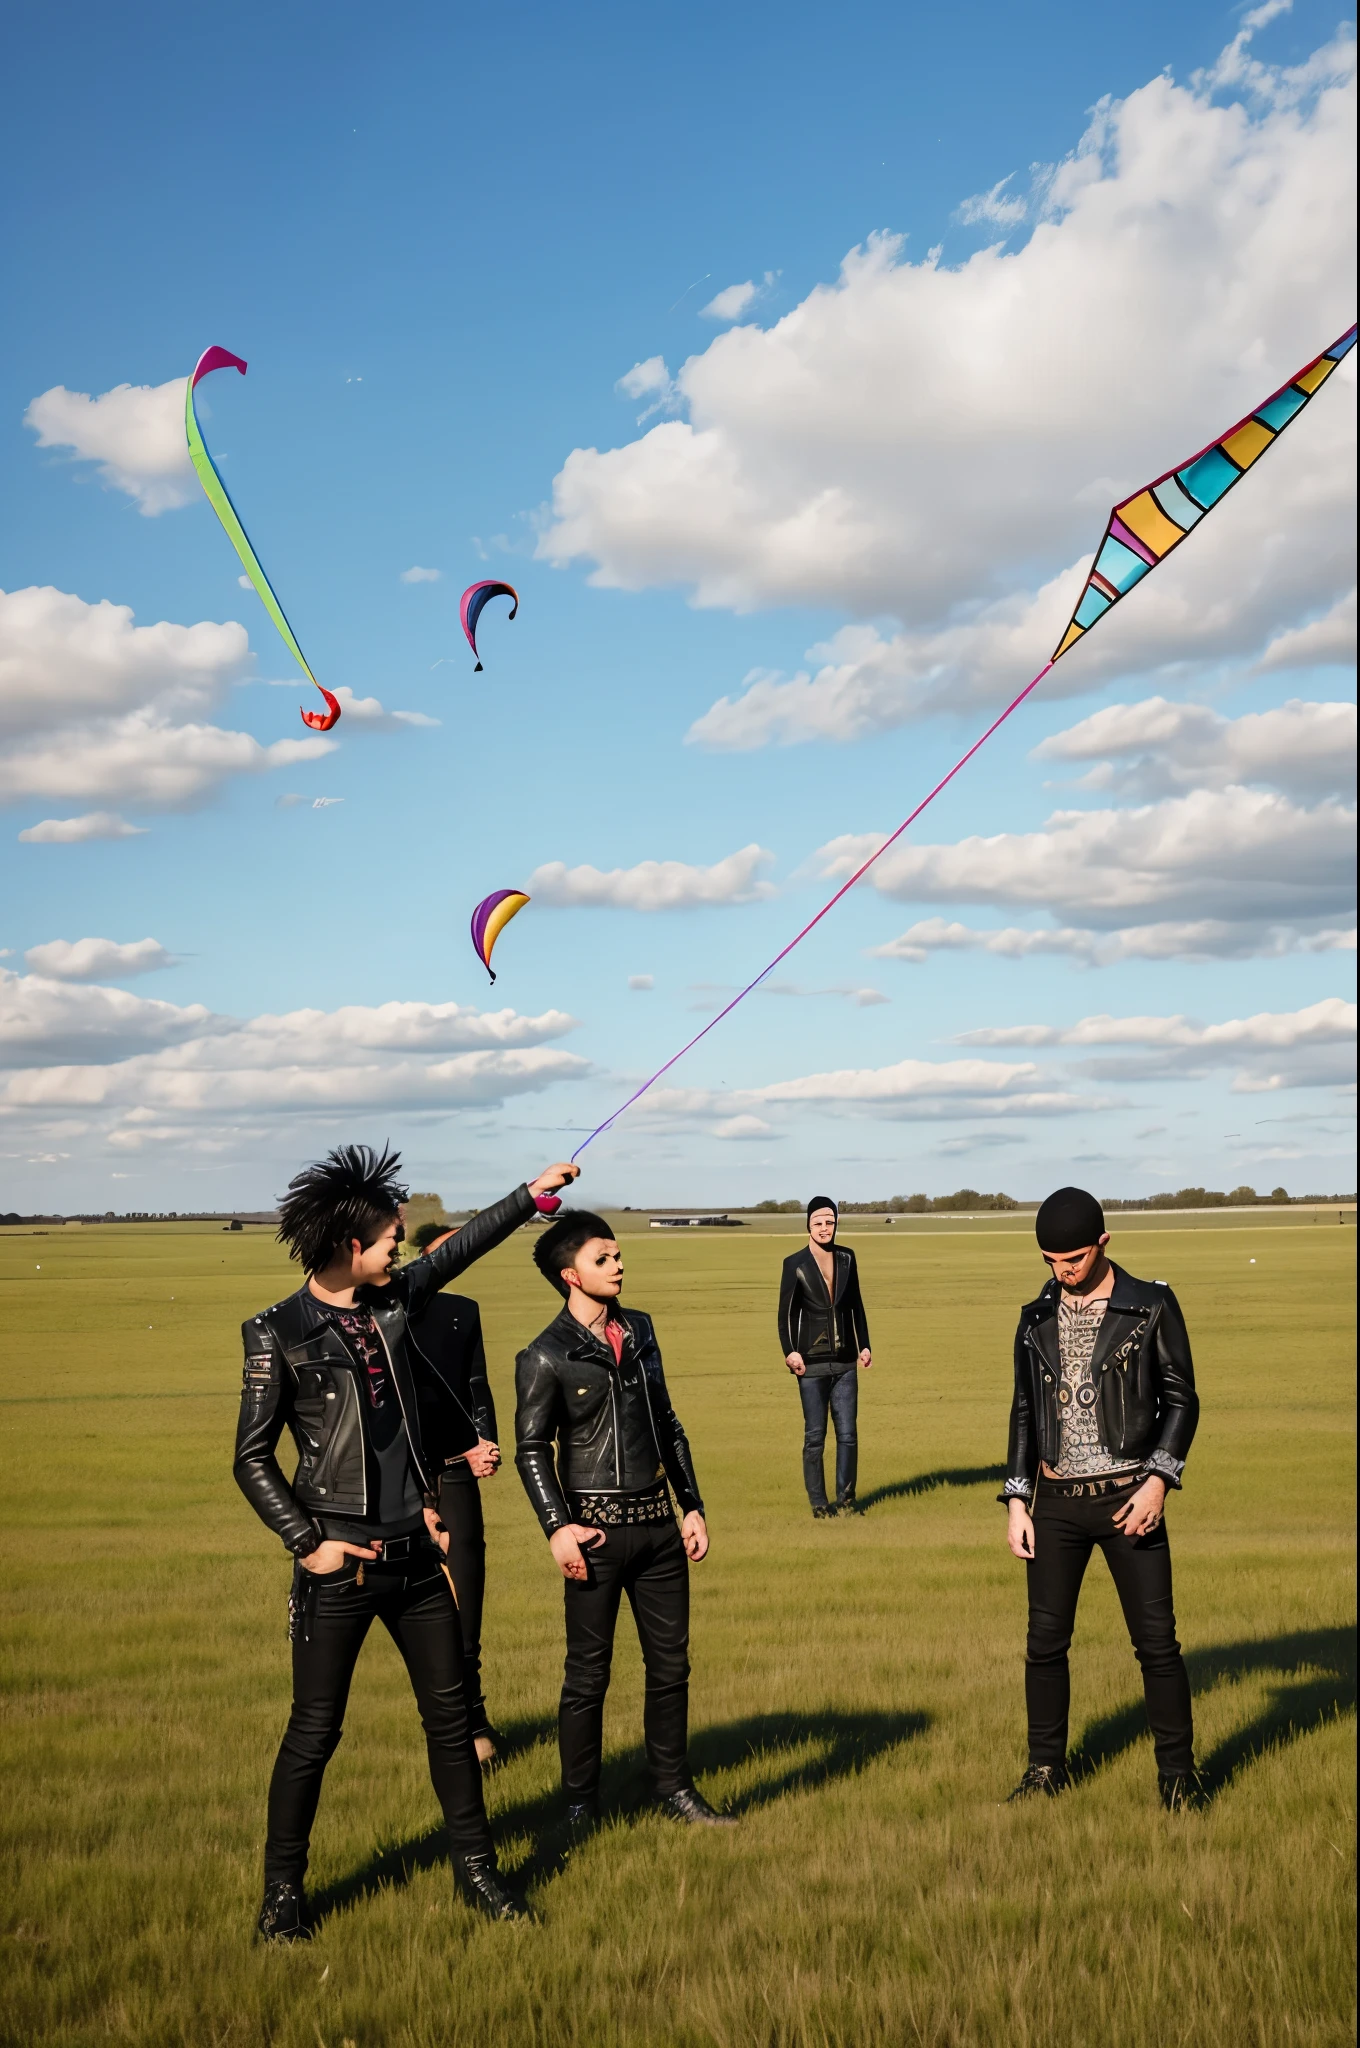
[1141, 1367]
[823, 1331]
[612, 1426]
[452, 1390]
[299, 1375]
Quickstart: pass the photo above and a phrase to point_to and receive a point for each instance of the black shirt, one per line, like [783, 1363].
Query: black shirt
[400, 1499]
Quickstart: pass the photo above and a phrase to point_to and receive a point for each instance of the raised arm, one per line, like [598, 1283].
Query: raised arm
[479, 1235]
[266, 1403]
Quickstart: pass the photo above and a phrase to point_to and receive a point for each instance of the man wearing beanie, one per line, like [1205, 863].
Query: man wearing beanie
[824, 1336]
[1102, 1420]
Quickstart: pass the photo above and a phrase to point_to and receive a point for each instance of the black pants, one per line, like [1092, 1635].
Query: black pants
[460, 1510]
[1065, 1532]
[835, 1394]
[648, 1563]
[335, 1613]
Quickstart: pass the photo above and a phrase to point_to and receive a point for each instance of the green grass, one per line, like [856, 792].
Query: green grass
[857, 1689]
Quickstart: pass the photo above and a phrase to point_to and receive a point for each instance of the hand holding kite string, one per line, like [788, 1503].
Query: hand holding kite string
[1141, 531]
[220, 500]
[471, 606]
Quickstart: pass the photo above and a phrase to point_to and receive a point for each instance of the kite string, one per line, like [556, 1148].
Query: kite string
[845, 887]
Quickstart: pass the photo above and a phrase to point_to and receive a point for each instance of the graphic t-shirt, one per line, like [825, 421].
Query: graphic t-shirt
[1082, 1456]
[399, 1495]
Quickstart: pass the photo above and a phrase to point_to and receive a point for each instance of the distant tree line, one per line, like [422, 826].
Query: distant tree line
[969, 1199]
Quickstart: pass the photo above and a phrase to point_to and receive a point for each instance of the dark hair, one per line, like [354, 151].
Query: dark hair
[425, 1234]
[560, 1242]
[822, 1202]
[352, 1192]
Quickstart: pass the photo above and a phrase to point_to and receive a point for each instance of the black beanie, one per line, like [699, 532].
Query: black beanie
[1068, 1221]
[822, 1202]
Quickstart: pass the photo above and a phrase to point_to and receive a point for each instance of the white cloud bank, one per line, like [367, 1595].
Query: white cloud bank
[76, 831]
[135, 433]
[93, 959]
[98, 709]
[653, 884]
[941, 443]
[144, 1072]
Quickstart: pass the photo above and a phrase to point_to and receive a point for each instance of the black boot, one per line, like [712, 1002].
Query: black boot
[481, 1887]
[1048, 1779]
[283, 1916]
[824, 1513]
[1180, 1791]
[691, 1807]
[848, 1506]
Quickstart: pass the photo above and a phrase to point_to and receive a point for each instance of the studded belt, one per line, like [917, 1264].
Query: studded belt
[623, 1510]
[1080, 1489]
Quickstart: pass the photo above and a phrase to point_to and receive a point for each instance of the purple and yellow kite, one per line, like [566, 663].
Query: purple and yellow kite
[220, 500]
[490, 918]
[474, 602]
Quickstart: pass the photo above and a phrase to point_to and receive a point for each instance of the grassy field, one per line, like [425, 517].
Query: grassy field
[857, 1687]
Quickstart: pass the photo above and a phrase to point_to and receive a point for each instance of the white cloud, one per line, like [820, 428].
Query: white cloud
[731, 302]
[1307, 749]
[996, 208]
[152, 1073]
[654, 884]
[134, 432]
[639, 983]
[644, 380]
[1312, 1047]
[90, 959]
[370, 712]
[918, 440]
[742, 1128]
[1188, 939]
[907, 1089]
[1325, 642]
[1235, 854]
[74, 831]
[98, 708]
[418, 575]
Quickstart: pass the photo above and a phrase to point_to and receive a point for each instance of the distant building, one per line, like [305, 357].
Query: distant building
[723, 1222]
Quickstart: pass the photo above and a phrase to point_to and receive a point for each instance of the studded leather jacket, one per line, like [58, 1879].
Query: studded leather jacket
[300, 1376]
[1142, 1372]
[586, 1425]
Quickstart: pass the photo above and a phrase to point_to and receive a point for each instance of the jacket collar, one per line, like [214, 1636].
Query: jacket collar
[841, 1261]
[577, 1342]
[1128, 1297]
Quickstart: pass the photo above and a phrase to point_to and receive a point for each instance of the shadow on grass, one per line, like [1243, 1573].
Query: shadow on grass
[1317, 1681]
[927, 1482]
[843, 1744]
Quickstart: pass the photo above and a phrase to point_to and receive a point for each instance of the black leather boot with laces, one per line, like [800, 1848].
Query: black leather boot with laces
[481, 1886]
[283, 1916]
[693, 1809]
[1046, 1780]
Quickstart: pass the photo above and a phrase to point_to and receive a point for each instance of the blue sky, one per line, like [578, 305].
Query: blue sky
[779, 561]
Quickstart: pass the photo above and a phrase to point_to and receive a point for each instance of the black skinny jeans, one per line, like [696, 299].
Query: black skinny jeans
[648, 1563]
[835, 1393]
[1065, 1532]
[460, 1510]
[414, 1604]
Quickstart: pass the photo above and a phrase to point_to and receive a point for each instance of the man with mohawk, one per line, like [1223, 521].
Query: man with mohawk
[333, 1364]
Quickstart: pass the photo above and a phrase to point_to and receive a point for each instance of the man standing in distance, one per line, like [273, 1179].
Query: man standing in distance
[333, 1365]
[1102, 1419]
[824, 1335]
[597, 1441]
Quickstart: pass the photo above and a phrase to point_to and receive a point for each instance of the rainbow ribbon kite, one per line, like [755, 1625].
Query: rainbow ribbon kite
[1142, 531]
[220, 500]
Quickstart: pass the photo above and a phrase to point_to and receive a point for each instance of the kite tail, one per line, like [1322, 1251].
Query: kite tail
[844, 889]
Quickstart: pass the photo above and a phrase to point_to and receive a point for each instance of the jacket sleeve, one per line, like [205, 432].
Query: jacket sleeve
[1021, 1453]
[788, 1292]
[1179, 1401]
[479, 1386]
[266, 1403]
[536, 1417]
[480, 1234]
[670, 1436]
[859, 1321]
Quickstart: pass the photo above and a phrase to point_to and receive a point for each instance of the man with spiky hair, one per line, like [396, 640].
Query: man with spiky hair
[333, 1364]
[599, 1447]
